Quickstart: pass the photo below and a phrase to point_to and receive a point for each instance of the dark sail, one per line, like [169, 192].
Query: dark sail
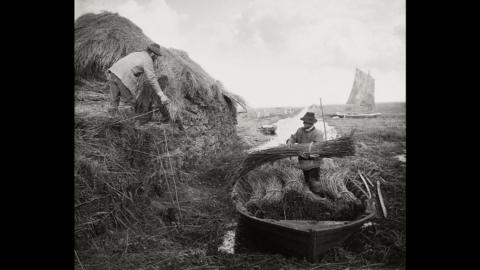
[362, 96]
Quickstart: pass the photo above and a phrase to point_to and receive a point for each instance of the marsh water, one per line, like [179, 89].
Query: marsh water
[287, 126]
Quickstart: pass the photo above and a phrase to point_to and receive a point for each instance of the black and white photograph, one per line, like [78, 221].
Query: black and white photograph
[239, 134]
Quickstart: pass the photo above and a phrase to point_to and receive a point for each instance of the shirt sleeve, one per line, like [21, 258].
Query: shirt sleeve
[151, 77]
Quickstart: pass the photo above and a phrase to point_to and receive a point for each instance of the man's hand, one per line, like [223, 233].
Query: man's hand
[165, 100]
[304, 155]
[289, 143]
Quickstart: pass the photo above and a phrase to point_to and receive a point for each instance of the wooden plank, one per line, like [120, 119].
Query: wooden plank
[366, 185]
[380, 198]
[368, 180]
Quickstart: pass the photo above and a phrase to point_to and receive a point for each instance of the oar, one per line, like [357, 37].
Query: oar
[368, 180]
[380, 198]
[366, 185]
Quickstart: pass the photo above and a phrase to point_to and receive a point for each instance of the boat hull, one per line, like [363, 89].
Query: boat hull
[268, 129]
[302, 240]
[359, 115]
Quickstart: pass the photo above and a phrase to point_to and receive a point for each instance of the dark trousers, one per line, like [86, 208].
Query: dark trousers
[146, 102]
[142, 105]
[119, 90]
[311, 175]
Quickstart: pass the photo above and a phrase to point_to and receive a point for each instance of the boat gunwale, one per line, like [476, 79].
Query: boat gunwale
[314, 228]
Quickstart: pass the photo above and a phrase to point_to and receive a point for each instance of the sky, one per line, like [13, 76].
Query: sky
[280, 52]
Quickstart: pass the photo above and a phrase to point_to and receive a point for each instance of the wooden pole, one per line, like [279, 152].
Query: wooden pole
[323, 119]
[380, 198]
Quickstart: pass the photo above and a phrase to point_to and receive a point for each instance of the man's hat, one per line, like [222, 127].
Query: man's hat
[155, 48]
[309, 117]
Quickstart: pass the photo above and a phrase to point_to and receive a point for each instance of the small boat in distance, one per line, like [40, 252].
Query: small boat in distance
[268, 129]
[361, 102]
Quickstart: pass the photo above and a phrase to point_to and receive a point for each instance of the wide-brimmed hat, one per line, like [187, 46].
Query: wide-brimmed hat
[309, 117]
[155, 48]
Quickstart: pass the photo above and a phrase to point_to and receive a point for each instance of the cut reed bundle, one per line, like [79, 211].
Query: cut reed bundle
[339, 147]
[287, 196]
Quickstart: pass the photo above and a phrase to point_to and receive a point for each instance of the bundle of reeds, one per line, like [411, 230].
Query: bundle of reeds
[287, 196]
[339, 147]
[273, 190]
[331, 183]
[258, 192]
[293, 180]
[304, 204]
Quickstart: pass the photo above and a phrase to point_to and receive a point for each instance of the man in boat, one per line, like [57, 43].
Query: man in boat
[309, 163]
[124, 78]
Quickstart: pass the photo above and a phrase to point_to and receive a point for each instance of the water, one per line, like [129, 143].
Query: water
[228, 244]
[286, 127]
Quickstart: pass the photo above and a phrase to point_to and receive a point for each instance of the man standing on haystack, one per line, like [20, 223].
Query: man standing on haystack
[124, 79]
[309, 163]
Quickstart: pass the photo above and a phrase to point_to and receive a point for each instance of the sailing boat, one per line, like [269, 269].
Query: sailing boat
[361, 102]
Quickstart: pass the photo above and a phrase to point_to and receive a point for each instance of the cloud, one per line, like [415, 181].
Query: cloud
[280, 52]
[157, 20]
[319, 33]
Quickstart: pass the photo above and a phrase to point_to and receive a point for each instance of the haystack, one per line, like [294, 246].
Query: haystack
[119, 169]
[102, 39]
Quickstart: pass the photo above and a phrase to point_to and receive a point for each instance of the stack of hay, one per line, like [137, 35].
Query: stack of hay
[280, 192]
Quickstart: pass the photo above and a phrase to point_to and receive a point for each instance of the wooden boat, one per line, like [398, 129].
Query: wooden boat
[268, 129]
[357, 115]
[308, 239]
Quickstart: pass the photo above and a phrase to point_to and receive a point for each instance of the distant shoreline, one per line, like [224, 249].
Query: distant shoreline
[281, 107]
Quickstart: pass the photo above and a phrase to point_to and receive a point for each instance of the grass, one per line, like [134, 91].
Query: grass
[154, 241]
[379, 140]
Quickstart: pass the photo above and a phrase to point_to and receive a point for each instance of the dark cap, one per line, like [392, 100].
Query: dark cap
[309, 117]
[155, 48]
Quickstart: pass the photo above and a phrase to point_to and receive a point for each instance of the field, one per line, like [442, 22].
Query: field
[191, 240]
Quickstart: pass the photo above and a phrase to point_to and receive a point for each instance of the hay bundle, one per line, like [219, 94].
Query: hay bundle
[293, 180]
[339, 147]
[266, 189]
[337, 199]
[304, 204]
[258, 192]
[273, 190]
[331, 183]
[286, 196]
